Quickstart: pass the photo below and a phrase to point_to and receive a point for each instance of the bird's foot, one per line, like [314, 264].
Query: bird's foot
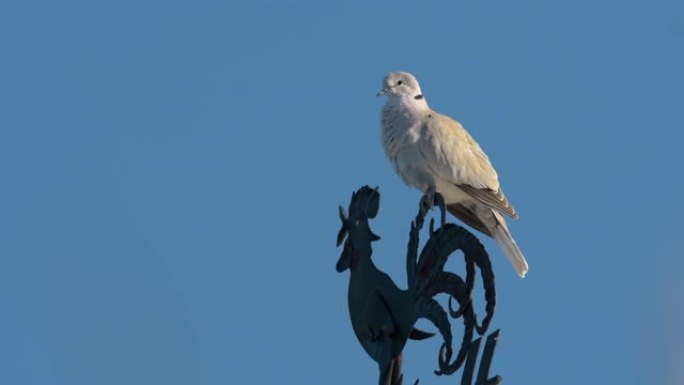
[430, 200]
[427, 202]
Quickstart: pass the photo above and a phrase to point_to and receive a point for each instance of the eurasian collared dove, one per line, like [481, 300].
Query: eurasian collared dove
[434, 153]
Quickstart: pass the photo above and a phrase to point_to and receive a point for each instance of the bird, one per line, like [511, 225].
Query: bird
[435, 154]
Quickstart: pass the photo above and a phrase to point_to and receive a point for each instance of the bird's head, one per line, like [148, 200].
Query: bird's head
[401, 84]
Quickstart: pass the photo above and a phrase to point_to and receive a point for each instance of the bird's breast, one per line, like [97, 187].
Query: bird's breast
[401, 135]
[398, 131]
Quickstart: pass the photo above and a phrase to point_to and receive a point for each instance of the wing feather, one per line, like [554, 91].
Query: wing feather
[468, 217]
[493, 199]
[455, 156]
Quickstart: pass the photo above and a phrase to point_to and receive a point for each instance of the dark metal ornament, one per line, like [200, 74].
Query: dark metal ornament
[383, 316]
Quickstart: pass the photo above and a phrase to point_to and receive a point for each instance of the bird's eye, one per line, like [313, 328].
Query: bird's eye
[400, 82]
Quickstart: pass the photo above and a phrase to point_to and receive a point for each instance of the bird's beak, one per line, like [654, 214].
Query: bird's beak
[383, 92]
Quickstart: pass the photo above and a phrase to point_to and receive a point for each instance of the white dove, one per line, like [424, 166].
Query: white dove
[434, 153]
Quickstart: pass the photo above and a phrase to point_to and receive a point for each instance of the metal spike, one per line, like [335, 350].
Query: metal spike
[343, 214]
[341, 235]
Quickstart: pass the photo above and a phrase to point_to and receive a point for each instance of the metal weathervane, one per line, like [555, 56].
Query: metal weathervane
[383, 316]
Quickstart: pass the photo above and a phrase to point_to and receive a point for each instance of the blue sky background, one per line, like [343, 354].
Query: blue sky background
[171, 170]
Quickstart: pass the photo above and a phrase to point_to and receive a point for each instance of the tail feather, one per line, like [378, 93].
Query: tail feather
[505, 240]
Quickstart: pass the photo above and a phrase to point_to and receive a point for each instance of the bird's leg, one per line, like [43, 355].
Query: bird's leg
[427, 201]
[439, 202]
[430, 199]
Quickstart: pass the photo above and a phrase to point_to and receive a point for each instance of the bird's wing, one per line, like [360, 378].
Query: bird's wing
[469, 217]
[455, 156]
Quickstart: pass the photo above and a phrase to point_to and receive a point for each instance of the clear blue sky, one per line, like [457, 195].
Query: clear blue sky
[160, 160]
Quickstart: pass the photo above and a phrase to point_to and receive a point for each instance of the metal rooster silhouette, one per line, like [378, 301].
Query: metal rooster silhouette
[383, 315]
